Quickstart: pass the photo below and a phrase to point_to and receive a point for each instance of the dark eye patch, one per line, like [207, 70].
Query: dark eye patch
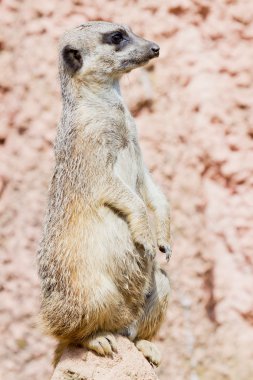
[72, 58]
[116, 38]
[119, 38]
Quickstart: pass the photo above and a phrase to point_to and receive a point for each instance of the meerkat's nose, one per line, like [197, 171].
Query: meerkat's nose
[155, 49]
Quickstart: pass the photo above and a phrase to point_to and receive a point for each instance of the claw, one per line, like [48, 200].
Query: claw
[102, 343]
[150, 351]
[167, 250]
[149, 251]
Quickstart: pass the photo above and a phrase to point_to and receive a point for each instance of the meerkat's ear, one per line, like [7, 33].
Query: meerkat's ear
[72, 58]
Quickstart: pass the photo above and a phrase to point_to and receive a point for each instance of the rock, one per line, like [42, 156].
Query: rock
[127, 364]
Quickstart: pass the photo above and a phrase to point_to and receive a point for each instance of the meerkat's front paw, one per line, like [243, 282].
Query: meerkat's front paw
[165, 248]
[146, 244]
[150, 351]
[102, 343]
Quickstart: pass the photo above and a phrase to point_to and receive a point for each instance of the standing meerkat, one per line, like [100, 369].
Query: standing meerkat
[96, 260]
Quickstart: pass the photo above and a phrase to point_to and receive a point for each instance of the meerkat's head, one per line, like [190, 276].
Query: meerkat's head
[98, 51]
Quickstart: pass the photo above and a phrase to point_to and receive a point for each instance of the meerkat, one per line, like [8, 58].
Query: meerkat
[96, 259]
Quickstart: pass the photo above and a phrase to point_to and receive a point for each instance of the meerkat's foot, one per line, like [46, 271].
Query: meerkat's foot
[102, 343]
[150, 351]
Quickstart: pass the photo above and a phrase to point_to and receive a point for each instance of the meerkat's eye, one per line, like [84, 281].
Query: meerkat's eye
[117, 37]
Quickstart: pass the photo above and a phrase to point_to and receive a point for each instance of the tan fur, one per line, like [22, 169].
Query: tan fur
[96, 260]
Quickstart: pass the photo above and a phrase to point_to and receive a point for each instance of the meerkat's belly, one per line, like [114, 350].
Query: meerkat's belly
[111, 259]
[109, 241]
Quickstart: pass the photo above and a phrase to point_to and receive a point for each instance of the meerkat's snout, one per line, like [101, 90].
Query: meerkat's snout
[155, 49]
[137, 52]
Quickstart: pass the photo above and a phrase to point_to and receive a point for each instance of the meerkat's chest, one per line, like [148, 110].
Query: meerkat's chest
[126, 165]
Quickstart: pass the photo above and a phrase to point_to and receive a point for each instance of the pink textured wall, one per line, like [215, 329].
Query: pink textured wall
[194, 112]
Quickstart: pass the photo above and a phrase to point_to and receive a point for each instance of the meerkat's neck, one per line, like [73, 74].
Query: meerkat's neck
[80, 98]
[107, 92]
[90, 91]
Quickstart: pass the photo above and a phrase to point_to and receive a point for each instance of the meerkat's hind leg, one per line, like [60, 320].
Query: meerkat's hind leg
[103, 343]
[149, 350]
[153, 314]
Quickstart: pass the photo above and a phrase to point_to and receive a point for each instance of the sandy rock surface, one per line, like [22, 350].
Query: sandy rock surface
[193, 108]
[127, 364]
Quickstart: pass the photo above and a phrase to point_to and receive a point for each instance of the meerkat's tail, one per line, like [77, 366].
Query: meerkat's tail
[58, 352]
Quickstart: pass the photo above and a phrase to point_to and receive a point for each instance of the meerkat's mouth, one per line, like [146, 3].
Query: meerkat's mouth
[129, 63]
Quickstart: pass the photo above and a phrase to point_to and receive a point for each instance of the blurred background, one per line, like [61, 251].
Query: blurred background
[193, 108]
